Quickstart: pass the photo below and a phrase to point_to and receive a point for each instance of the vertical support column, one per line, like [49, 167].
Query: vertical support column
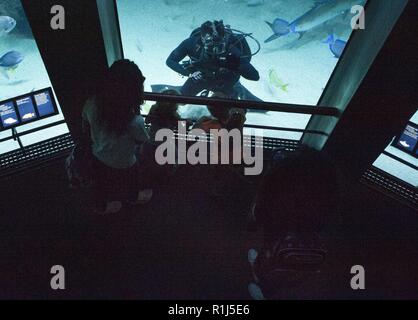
[109, 22]
[361, 51]
[75, 57]
[386, 99]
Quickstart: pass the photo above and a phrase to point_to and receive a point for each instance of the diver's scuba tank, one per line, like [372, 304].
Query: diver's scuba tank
[234, 38]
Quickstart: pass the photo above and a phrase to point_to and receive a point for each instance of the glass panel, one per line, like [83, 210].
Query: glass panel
[414, 118]
[43, 135]
[21, 66]
[397, 169]
[8, 146]
[294, 45]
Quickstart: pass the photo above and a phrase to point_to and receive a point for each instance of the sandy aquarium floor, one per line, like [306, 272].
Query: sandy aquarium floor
[151, 30]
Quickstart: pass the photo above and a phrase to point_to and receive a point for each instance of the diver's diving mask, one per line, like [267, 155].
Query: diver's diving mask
[213, 39]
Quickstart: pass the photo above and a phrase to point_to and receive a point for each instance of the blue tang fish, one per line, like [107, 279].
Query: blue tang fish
[336, 46]
[11, 59]
[7, 24]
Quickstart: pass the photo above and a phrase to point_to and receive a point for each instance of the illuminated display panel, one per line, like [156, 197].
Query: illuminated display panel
[407, 173]
[28, 108]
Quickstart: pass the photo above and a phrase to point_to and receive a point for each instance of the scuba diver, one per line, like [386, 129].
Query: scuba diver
[218, 58]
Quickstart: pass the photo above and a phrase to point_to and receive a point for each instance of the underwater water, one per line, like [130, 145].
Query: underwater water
[296, 46]
[22, 71]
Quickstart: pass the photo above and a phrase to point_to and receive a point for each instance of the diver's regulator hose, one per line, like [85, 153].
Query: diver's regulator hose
[245, 35]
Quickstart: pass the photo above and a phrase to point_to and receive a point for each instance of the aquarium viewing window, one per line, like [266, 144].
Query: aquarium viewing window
[288, 49]
[23, 79]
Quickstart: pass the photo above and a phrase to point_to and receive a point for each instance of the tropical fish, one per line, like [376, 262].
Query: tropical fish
[7, 24]
[28, 116]
[11, 59]
[10, 121]
[276, 81]
[336, 46]
[321, 12]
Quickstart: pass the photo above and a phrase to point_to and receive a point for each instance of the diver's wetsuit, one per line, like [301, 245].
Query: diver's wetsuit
[216, 77]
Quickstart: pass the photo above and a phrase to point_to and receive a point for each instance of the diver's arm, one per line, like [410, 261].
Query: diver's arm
[241, 65]
[247, 70]
[178, 55]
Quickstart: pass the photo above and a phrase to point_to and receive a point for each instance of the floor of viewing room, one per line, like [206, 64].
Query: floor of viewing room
[183, 245]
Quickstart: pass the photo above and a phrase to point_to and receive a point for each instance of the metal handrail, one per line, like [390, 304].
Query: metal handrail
[394, 157]
[245, 104]
[21, 134]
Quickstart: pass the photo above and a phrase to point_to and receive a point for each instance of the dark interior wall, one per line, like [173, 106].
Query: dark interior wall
[75, 57]
[386, 99]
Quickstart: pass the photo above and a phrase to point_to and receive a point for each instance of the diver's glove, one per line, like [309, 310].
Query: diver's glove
[231, 62]
[196, 76]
